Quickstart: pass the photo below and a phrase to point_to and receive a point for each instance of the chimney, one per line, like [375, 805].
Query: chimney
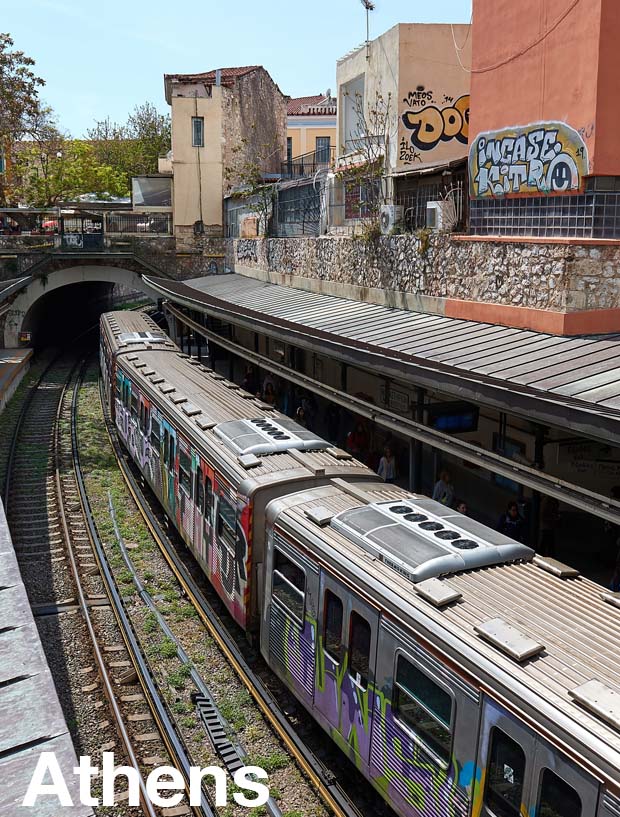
[218, 76]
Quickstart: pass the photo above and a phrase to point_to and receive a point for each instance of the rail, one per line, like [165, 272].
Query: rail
[329, 790]
[299, 167]
[158, 708]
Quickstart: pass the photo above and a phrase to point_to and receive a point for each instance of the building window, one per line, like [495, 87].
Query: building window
[198, 131]
[322, 149]
[423, 706]
[505, 776]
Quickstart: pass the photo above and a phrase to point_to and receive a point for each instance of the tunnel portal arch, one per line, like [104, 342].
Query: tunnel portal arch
[23, 311]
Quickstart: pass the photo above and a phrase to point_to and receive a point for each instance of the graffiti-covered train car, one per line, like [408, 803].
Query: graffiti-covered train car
[213, 454]
[461, 673]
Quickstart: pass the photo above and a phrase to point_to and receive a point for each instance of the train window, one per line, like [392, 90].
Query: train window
[166, 445]
[332, 626]
[185, 473]
[226, 521]
[423, 706]
[557, 798]
[505, 776]
[155, 433]
[289, 585]
[171, 457]
[208, 498]
[119, 385]
[359, 649]
[200, 491]
[134, 404]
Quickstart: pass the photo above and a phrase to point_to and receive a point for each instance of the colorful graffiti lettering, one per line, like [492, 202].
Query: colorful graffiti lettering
[541, 158]
[430, 125]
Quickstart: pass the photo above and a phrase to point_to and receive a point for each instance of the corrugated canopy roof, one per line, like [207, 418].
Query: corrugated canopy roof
[544, 377]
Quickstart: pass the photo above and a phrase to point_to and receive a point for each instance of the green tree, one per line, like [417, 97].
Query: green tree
[19, 99]
[61, 169]
[133, 147]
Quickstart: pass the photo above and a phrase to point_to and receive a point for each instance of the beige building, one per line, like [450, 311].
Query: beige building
[311, 126]
[222, 121]
[416, 78]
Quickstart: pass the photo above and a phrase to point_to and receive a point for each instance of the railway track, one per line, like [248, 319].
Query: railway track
[109, 698]
[334, 796]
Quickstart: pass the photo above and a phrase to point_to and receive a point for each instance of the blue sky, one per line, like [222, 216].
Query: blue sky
[103, 58]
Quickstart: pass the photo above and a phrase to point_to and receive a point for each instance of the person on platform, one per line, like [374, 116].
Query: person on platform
[511, 523]
[387, 466]
[357, 442]
[444, 489]
[461, 507]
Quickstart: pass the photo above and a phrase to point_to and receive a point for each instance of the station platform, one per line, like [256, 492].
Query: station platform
[14, 363]
[32, 720]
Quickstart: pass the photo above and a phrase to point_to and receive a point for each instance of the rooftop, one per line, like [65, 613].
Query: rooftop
[317, 105]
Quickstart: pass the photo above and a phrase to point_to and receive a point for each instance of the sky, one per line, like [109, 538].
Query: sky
[104, 58]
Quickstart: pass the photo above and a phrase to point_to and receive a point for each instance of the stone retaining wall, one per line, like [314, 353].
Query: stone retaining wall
[427, 270]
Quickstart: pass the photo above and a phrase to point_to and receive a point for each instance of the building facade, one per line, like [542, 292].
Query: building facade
[545, 119]
[412, 84]
[310, 130]
[224, 123]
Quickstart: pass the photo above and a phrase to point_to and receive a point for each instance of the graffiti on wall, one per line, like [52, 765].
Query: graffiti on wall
[431, 124]
[536, 159]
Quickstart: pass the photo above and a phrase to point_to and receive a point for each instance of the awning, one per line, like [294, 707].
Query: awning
[548, 379]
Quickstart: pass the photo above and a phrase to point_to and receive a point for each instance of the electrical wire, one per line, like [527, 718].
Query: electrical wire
[529, 47]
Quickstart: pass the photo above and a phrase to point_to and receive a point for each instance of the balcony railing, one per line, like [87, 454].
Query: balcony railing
[300, 167]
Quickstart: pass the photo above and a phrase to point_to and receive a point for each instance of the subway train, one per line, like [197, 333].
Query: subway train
[460, 672]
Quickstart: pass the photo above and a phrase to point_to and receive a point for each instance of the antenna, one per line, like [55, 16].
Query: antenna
[369, 6]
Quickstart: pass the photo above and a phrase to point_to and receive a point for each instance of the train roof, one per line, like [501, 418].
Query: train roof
[254, 440]
[129, 330]
[526, 619]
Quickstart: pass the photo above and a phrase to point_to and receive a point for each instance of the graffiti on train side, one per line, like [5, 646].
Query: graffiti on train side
[538, 159]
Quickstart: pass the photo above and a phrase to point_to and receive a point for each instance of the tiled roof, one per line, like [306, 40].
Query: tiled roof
[228, 75]
[319, 104]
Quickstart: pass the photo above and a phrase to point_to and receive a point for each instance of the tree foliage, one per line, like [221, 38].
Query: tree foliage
[132, 148]
[19, 97]
[364, 166]
[59, 169]
[246, 177]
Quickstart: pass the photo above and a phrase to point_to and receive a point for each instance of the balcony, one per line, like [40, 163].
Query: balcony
[306, 165]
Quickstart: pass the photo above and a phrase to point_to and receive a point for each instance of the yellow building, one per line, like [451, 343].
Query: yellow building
[220, 120]
[310, 130]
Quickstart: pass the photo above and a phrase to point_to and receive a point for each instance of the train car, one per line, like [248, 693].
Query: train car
[459, 671]
[213, 454]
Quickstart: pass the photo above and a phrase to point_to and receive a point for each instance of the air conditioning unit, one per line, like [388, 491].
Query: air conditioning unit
[436, 215]
[391, 214]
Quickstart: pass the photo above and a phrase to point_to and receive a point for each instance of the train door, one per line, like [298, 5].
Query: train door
[522, 774]
[291, 617]
[185, 492]
[168, 469]
[203, 499]
[330, 650]
[351, 665]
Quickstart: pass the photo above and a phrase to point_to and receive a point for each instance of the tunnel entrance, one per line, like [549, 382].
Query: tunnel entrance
[61, 315]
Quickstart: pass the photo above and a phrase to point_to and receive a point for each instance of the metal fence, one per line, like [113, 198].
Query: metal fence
[298, 211]
[414, 202]
[150, 223]
[301, 167]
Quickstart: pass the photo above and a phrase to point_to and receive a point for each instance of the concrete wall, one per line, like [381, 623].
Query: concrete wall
[557, 288]
[427, 81]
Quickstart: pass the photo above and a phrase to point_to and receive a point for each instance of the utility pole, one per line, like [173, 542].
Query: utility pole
[369, 6]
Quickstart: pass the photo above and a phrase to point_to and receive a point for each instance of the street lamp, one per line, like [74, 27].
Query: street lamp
[369, 6]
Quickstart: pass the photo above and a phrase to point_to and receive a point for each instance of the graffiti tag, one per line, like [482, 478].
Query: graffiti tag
[544, 157]
[407, 154]
[431, 125]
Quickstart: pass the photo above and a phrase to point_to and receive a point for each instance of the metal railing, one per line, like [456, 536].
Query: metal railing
[307, 164]
[414, 203]
[150, 223]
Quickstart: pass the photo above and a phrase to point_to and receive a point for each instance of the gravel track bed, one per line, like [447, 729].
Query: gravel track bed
[293, 793]
[39, 543]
